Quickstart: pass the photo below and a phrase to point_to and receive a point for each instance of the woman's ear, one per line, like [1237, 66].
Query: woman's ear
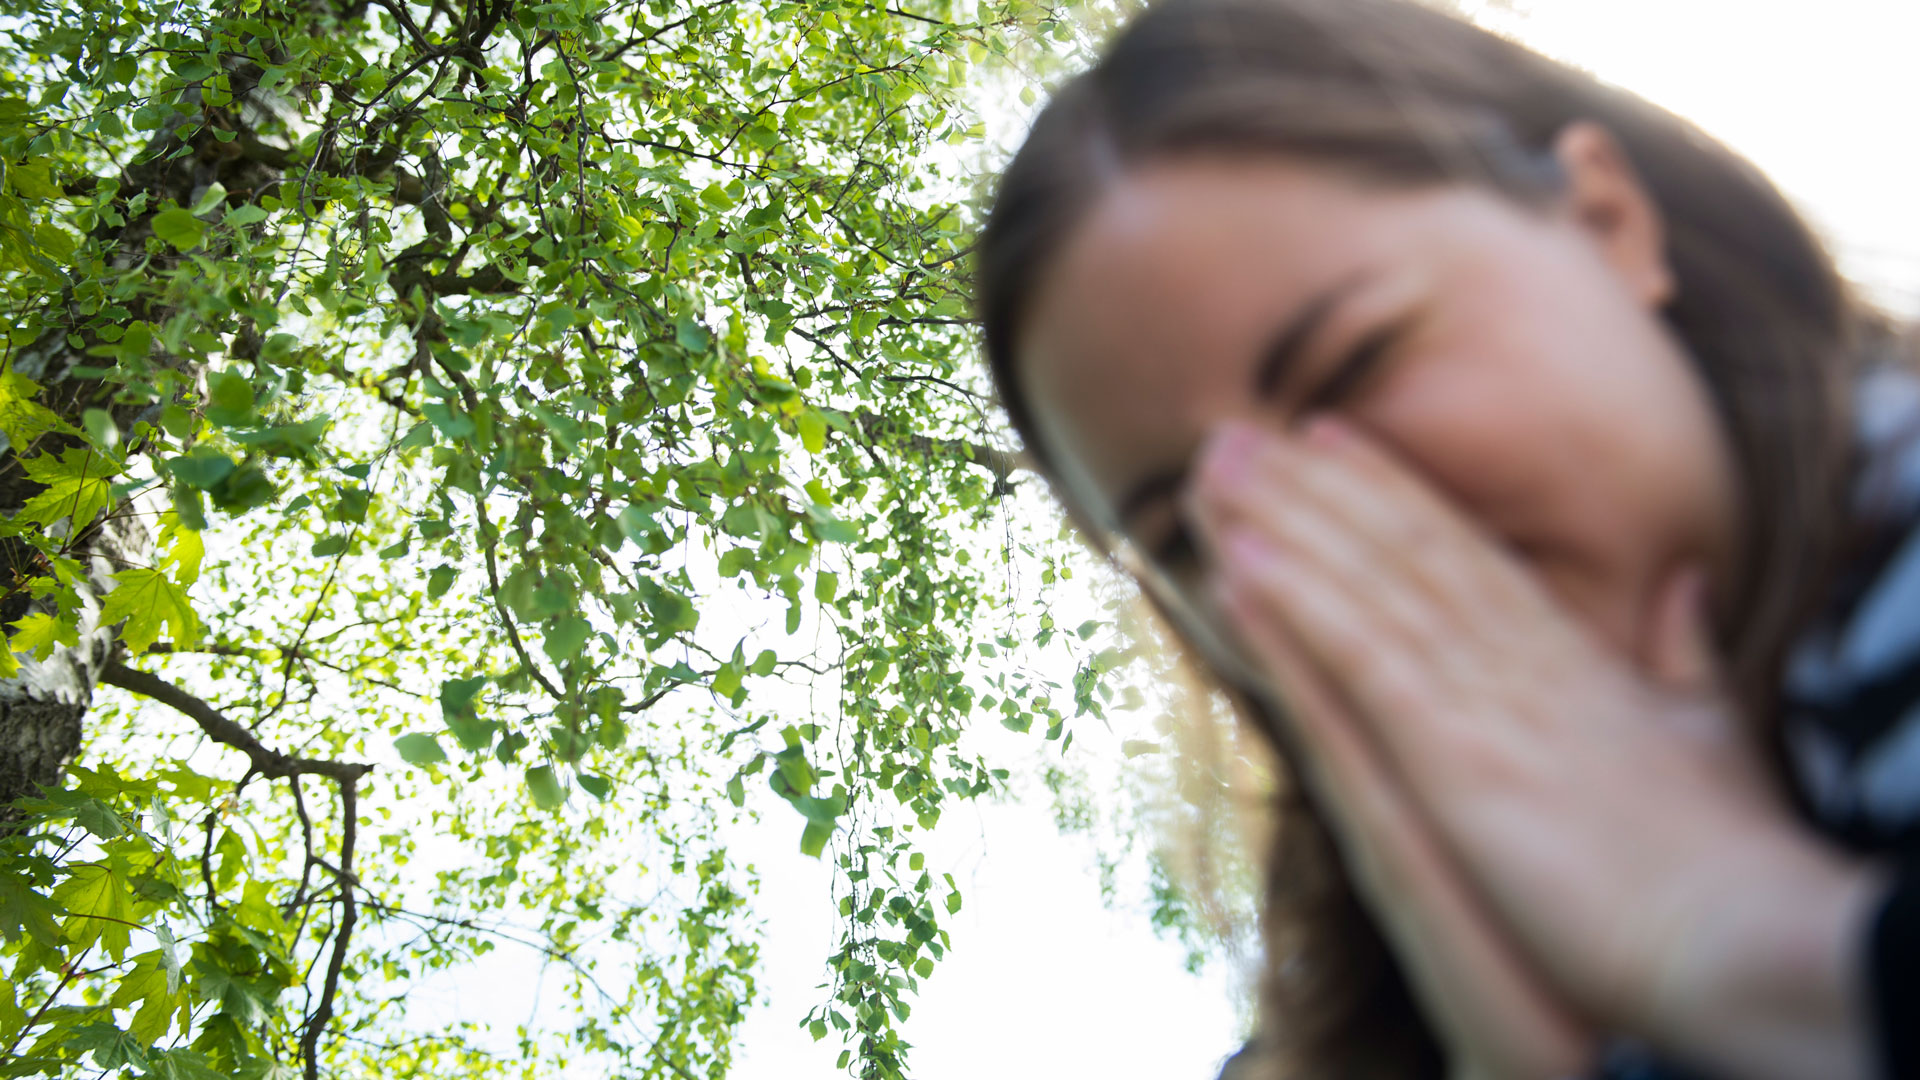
[1606, 198]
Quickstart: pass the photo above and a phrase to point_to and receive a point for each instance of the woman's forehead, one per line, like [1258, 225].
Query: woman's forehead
[1161, 298]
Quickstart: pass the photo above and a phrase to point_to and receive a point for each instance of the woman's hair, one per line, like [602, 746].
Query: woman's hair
[1393, 93]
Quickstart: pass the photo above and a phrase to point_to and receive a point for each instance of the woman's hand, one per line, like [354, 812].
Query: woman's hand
[1497, 1017]
[1605, 816]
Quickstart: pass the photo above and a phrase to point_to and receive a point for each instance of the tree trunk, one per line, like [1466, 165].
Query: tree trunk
[42, 711]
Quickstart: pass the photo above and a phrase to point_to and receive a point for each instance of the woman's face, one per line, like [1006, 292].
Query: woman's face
[1511, 356]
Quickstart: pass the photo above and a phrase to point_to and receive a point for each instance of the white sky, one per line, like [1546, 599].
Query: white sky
[1044, 981]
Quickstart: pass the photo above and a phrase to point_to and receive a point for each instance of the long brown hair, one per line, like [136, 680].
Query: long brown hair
[1395, 93]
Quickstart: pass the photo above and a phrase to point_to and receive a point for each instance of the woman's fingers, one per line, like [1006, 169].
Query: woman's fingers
[1376, 650]
[1679, 652]
[1346, 504]
[1495, 1012]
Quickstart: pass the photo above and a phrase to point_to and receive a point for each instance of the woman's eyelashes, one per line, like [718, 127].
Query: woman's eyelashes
[1350, 375]
[1176, 551]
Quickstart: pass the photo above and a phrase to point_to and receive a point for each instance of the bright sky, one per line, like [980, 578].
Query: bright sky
[1047, 983]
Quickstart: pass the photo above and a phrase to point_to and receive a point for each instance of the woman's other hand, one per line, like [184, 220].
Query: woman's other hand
[1506, 778]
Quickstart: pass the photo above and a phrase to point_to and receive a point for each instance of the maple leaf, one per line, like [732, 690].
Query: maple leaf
[79, 484]
[153, 987]
[22, 418]
[147, 600]
[40, 632]
[185, 548]
[99, 906]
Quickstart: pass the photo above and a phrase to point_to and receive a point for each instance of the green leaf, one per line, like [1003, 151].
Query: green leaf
[247, 488]
[419, 749]
[111, 1048]
[545, 788]
[169, 958]
[39, 633]
[813, 838]
[101, 428]
[185, 550]
[352, 505]
[154, 994]
[79, 484]
[12, 1016]
[457, 706]
[201, 468]
[452, 423]
[229, 399]
[99, 819]
[148, 600]
[99, 906]
[457, 695]
[179, 228]
[24, 911]
[813, 431]
[183, 1064]
[21, 417]
[300, 440]
[565, 636]
[241, 216]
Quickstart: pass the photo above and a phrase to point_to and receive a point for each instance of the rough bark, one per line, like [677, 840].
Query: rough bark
[40, 717]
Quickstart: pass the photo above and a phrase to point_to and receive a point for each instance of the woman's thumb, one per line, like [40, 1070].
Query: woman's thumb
[1679, 651]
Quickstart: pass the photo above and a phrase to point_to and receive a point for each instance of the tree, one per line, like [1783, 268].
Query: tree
[439, 440]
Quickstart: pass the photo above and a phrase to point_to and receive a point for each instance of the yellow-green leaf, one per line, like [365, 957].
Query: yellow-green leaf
[813, 431]
[79, 484]
[185, 549]
[148, 600]
[99, 907]
[40, 632]
[22, 418]
[179, 228]
[12, 1016]
[148, 986]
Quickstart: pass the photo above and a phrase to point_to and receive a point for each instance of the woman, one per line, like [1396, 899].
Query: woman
[1525, 445]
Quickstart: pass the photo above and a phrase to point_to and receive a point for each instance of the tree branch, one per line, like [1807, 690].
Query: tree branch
[998, 462]
[323, 1013]
[269, 763]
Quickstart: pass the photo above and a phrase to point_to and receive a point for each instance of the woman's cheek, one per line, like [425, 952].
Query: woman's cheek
[1510, 458]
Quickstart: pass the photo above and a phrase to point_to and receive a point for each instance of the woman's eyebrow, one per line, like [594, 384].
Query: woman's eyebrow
[1280, 355]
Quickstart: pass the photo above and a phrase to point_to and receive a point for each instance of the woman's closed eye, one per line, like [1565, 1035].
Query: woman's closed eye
[1351, 374]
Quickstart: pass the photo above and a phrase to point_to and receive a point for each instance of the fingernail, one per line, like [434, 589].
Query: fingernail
[1246, 550]
[1325, 431]
[1227, 452]
[1227, 456]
